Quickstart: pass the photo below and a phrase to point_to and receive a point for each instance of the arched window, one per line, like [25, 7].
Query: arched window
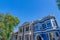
[48, 24]
[43, 25]
[37, 26]
[38, 37]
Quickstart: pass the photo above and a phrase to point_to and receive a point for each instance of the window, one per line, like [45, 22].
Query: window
[51, 36]
[37, 26]
[27, 28]
[20, 38]
[26, 37]
[57, 34]
[20, 30]
[38, 37]
[16, 36]
[40, 27]
[43, 26]
[48, 23]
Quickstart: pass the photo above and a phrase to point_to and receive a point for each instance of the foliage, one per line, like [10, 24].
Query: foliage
[7, 24]
[58, 4]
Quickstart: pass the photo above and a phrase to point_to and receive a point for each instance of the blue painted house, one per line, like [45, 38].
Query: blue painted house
[44, 29]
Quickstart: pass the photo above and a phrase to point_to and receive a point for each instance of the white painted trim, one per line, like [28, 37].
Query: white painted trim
[53, 20]
[28, 33]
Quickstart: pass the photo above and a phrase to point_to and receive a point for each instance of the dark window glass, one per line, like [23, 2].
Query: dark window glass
[43, 26]
[53, 38]
[20, 30]
[39, 38]
[57, 34]
[16, 36]
[27, 28]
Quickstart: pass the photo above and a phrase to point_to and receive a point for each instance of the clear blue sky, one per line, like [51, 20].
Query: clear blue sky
[29, 10]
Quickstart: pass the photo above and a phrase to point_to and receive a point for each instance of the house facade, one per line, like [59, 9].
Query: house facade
[14, 36]
[44, 29]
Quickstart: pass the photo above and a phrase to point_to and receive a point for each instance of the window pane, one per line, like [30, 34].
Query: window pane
[43, 26]
[27, 28]
[57, 34]
[48, 24]
[35, 27]
[20, 29]
[39, 38]
[51, 36]
[26, 37]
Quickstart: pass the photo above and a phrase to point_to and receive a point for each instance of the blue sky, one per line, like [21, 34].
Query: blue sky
[29, 10]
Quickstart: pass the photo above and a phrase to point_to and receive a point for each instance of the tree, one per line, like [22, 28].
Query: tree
[7, 24]
[58, 4]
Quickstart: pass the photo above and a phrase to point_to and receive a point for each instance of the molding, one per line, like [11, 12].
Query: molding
[47, 30]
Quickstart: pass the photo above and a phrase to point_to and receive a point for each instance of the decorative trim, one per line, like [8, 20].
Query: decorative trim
[46, 30]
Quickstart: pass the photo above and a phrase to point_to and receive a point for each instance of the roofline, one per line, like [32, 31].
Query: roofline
[44, 19]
